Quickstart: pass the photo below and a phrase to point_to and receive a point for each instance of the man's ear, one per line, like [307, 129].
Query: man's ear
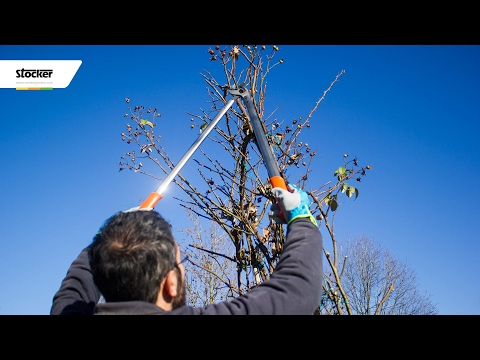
[170, 285]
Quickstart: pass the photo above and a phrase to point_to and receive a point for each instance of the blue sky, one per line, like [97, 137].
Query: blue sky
[411, 111]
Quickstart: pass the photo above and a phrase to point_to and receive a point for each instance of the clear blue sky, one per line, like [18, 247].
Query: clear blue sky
[412, 112]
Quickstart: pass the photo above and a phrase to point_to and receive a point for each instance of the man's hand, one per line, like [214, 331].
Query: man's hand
[294, 203]
[137, 208]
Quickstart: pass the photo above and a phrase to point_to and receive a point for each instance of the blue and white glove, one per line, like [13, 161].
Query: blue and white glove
[138, 208]
[294, 203]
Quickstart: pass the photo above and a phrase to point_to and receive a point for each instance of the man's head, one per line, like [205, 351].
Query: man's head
[135, 257]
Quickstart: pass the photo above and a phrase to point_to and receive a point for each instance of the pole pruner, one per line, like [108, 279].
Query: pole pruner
[275, 179]
[155, 196]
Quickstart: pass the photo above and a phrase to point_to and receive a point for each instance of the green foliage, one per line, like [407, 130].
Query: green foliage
[340, 173]
[332, 202]
[146, 122]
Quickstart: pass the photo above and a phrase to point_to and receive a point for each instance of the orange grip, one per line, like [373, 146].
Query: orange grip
[277, 181]
[151, 200]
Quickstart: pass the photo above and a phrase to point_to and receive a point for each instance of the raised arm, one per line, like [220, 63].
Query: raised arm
[78, 294]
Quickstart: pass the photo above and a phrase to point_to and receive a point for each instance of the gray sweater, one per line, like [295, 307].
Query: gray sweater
[294, 288]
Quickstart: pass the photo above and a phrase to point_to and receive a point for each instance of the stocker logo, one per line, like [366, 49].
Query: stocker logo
[37, 74]
[34, 73]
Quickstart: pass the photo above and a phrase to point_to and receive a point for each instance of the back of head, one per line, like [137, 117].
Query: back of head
[131, 254]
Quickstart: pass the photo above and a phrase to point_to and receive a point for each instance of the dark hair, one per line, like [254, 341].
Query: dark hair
[131, 254]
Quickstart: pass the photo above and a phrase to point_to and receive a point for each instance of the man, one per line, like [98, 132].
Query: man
[134, 263]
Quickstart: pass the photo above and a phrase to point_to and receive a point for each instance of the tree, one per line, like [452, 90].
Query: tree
[207, 269]
[234, 192]
[376, 283]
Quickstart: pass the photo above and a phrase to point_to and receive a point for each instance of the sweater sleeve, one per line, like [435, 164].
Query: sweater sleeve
[295, 286]
[78, 294]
